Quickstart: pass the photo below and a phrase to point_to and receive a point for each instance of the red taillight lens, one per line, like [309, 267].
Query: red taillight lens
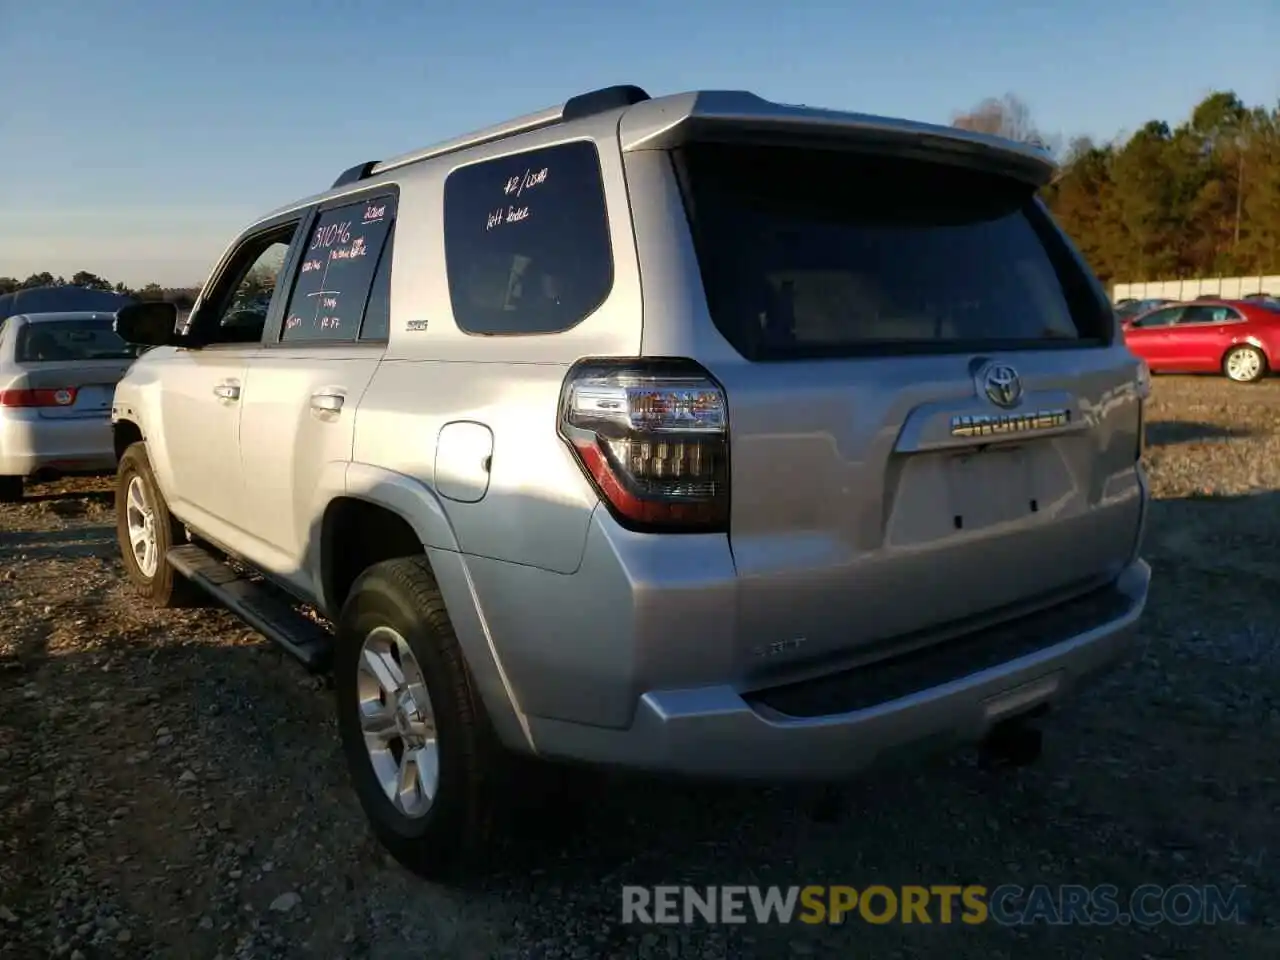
[653, 437]
[59, 397]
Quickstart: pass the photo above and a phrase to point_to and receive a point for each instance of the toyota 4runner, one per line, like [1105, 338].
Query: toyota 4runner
[698, 434]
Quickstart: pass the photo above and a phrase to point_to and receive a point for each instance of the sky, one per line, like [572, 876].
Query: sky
[137, 137]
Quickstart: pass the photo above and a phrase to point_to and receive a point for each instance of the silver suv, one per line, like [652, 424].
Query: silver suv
[697, 434]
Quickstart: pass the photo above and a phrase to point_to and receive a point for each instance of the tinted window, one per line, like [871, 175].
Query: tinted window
[1136, 307]
[1159, 318]
[527, 241]
[377, 313]
[336, 270]
[88, 339]
[1205, 314]
[829, 253]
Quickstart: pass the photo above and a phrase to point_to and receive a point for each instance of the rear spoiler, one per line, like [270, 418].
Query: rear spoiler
[728, 116]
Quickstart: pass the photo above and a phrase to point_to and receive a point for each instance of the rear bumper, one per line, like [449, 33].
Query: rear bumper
[719, 732]
[30, 444]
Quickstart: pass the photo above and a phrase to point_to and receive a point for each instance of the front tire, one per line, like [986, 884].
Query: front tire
[146, 530]
[1245, 364]
[422, 755]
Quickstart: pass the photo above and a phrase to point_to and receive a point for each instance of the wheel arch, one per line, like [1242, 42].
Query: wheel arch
[1248, 341]
[385, 515]
[125, 433]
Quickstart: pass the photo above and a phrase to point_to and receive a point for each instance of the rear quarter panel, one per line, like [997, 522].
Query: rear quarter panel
[1262, 330]
[538, 505]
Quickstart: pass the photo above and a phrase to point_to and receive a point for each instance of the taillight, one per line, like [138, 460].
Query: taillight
[653, 437]
[59, 397]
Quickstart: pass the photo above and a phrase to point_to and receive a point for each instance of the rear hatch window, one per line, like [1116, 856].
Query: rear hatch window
[74, 340]
[808, 252]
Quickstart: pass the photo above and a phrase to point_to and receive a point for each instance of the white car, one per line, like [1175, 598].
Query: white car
[58, 372]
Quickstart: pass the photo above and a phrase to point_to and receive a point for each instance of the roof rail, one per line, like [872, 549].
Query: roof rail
[354, 174]
[575, 108]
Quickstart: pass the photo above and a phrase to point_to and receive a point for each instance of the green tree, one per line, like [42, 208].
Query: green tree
[1259, 249]
[83, 278]
[1198, 198]
[44, 279]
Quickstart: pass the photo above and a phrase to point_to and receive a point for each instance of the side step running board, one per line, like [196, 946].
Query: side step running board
[272, 617]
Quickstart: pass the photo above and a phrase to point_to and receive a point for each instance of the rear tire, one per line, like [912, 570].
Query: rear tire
[400, 677]
[1245, 364]
[10, 489]
[146, 530]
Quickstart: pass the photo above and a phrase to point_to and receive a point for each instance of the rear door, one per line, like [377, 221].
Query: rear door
[298, 425]
[1199, 339]
[932, 419]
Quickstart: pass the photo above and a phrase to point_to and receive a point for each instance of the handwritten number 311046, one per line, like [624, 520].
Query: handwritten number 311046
[329, 235]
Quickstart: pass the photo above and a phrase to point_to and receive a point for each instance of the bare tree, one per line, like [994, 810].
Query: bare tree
[1007, 116]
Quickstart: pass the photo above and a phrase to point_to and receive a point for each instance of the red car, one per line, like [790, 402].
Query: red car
[1240, 338]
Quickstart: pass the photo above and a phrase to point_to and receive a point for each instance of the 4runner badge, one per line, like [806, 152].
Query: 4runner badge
[994, 424]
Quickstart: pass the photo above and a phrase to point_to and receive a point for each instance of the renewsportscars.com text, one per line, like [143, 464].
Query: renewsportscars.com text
[1007, 904]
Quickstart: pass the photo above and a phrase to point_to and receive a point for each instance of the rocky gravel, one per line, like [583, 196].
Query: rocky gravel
[171, 785]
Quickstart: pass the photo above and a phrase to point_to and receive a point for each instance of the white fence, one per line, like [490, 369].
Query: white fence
[1229, 288]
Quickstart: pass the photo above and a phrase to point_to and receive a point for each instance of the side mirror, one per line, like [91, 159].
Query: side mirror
[149, 324]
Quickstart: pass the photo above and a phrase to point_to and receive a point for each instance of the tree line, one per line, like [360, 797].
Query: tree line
[1198, 199]
[1171, 202]
[182, 297]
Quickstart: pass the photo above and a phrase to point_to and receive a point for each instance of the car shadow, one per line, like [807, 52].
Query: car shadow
[81, 541]
[104, 497]
[48, 492]
[1165, 433]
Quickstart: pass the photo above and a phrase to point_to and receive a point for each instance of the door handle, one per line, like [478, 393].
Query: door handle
[227, 391]
[327, 402]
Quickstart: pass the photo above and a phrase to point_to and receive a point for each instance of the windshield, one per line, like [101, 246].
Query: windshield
[88, 339]
[818, 252]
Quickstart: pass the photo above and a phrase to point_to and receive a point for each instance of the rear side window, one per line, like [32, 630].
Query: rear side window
[62, 340]
[827, 253]
[1207, 314]
[377, 312]
[337, 271]
[527, 241]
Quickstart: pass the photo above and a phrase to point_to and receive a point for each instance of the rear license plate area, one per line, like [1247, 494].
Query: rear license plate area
[991, 487]
[95, 397]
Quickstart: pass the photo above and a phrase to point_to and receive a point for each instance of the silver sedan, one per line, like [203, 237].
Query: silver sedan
[58, 374]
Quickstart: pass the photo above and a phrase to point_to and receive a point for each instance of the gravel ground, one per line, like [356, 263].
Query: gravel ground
[170, 785]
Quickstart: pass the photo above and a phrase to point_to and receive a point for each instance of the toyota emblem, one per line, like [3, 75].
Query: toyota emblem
[1001, 384]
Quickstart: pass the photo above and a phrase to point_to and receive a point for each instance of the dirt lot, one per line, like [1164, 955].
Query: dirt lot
[170, 785]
